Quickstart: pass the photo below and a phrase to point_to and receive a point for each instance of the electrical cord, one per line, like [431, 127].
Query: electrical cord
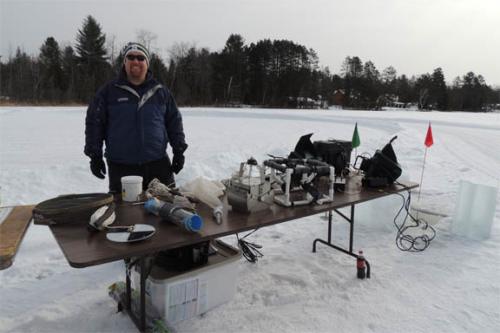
[404, 240]
[249, 250]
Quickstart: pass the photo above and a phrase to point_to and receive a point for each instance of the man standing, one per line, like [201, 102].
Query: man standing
[135, 116]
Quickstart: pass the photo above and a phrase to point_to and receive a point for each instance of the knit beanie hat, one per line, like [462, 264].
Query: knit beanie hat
[133, 46]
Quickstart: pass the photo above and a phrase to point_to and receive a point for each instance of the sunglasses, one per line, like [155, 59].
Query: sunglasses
[133, 57]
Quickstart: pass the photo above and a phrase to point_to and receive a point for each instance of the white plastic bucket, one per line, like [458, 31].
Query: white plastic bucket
[353, 184]
[131, 188]
[474, 210]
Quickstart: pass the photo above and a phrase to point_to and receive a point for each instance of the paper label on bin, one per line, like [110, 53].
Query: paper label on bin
[182, 300]
[203, 302]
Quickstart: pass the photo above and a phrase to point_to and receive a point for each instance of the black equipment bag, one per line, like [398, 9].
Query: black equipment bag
[383, 168]
[336, 153]
[184, 258]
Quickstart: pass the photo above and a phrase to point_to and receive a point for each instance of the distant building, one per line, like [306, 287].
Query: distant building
[339, 97]
[307, 102]
[390, 100]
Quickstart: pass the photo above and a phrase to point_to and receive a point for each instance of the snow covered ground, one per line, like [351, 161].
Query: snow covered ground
[453, 286]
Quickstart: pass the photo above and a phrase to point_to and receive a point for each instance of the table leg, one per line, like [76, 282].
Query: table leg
[128, 298]
[351, 228]
[140, 322]
[330, 215]
[143, 295]
[329, 243]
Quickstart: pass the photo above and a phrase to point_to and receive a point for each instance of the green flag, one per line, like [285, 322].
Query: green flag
[355, 137]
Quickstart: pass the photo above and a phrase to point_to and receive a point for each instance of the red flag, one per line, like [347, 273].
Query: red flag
[429, 141]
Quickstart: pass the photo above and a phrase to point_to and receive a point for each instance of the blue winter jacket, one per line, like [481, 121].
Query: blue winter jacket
[134, 122]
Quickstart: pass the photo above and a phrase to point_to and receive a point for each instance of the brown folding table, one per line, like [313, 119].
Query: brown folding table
[83, 248]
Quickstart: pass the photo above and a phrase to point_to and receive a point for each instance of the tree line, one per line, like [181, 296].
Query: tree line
[270, 73]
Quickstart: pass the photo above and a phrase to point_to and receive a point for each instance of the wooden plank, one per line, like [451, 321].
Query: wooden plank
[12, 231]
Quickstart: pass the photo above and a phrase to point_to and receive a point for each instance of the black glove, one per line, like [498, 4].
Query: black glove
[177, 162]
[98, 167]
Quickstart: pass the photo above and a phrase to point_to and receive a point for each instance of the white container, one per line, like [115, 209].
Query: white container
[353, 183]
[131, 188]
[474, 210]
[188, 294]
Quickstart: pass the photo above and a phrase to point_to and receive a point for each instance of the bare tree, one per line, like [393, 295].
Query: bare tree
[111, 47]
[389, 75]
[146, 38]
[423, 97]
[177, 51]
[180, 50]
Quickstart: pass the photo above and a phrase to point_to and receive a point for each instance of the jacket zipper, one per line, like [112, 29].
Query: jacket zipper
[150, 93]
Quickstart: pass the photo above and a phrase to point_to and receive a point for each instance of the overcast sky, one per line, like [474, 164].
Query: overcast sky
[414, 36]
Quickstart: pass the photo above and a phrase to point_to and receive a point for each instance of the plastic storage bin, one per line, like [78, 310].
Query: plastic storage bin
[179, 296]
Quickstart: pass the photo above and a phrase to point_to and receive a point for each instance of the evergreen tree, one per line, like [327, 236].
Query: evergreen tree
[260, 57]
[51, 72]
[3, 79]
[439, 93]
[91, 56]
[234, 62]
[117, 64]
[267, 73]
[455, 97]
[23, 77]
[404, 89]
[193, 77]
[352, 71]
[291, 72]
[158, 68]
[370, 85]
[69, 73]
[475, 92]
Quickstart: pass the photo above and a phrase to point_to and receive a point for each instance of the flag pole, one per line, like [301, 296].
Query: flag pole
[422, 175]
[429, 141]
